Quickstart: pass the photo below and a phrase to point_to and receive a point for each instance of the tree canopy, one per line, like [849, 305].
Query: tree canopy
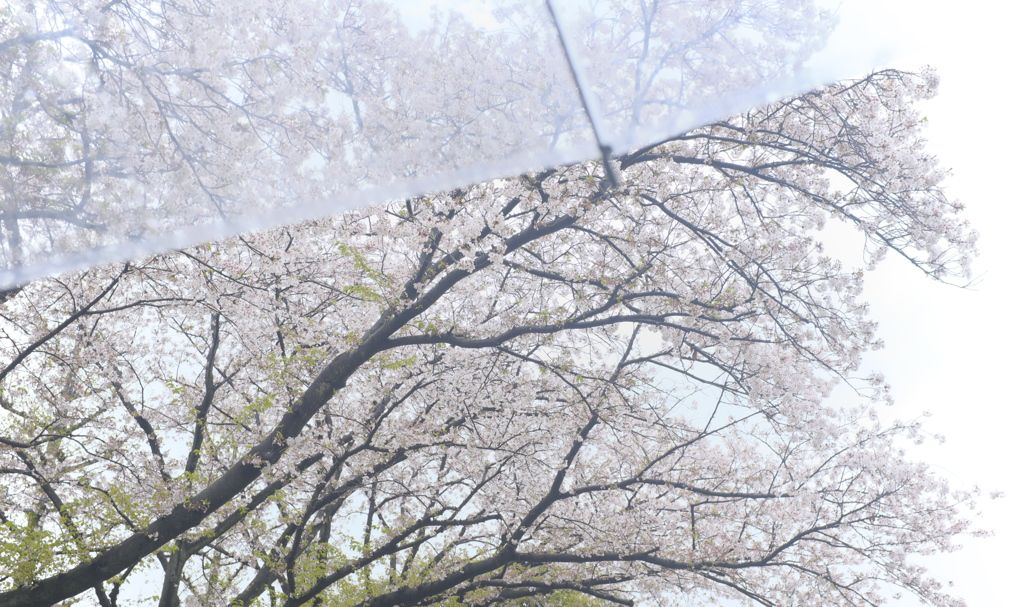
[545, 386]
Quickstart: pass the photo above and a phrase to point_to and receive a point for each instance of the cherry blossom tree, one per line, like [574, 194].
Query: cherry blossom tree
[546, 386]
[535, 384]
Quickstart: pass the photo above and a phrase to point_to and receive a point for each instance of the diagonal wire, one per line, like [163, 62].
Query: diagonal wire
[589, 103]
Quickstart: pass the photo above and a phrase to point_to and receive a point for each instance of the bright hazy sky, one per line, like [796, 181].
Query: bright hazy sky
[957, 352]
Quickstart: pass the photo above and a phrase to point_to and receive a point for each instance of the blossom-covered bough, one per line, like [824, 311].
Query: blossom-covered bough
[537, 386]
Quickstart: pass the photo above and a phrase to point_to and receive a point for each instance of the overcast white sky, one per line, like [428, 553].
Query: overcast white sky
[955, 352]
